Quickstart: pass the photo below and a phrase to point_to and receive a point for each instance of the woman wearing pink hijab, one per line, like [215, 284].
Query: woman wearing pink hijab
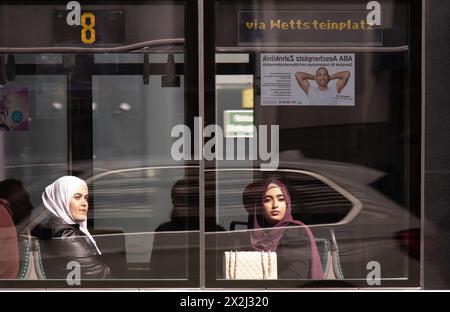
[297, 253]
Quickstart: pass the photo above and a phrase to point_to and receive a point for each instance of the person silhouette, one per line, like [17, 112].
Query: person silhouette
[9, 252]
[19, 200]
[173, 239]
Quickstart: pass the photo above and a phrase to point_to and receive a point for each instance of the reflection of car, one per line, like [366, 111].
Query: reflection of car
[324, 195]
[136, 201]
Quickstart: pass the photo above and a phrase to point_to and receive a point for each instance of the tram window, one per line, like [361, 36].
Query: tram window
[93, 112]
[142, 116]
[358, 144]
[155, 211]
[132, 122]
[139, 118]
[131, 127]
[354, 143]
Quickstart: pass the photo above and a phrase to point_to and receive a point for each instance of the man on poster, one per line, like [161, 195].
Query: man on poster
[322, 94]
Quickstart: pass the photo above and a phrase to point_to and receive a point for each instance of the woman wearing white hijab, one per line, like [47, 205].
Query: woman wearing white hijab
[65, 237]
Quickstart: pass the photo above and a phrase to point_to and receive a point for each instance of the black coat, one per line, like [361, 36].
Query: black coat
[294, 254]
[62, 243]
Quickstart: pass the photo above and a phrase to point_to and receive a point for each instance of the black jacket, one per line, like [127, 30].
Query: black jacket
[294, 254]
[62, 243]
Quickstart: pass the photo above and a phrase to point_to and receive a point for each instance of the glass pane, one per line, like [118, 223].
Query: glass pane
[156, 207]
[34, 151]
[142, 115]
[337, 190]
[101, 102]
[137, 192]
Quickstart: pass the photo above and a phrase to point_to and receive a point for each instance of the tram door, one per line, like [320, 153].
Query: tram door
[93, 89]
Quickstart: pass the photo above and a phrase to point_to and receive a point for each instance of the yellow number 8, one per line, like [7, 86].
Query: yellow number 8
[88, 27]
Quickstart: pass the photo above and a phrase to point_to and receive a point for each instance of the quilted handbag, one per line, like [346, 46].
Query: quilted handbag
[254, 265]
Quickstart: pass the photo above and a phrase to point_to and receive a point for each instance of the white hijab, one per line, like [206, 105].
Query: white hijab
[56, 199]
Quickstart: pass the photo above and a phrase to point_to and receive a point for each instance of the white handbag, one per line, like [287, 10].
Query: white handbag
[254, 265]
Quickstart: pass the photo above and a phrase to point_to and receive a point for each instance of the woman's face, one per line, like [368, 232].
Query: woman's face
[274, 205]
[79, 204]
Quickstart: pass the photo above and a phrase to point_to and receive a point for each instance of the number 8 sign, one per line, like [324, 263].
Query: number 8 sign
[88, 28]
[74, 18]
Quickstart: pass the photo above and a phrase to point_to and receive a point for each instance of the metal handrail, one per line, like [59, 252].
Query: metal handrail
[135, 47]
[312, 49]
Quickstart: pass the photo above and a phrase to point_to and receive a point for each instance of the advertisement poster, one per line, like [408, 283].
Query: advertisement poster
[308, 79]
[13, 109]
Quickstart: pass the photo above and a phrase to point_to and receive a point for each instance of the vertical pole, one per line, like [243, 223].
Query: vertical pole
[201, 103]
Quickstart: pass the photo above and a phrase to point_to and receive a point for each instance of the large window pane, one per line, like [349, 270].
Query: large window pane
[349, 164]
[105, 111]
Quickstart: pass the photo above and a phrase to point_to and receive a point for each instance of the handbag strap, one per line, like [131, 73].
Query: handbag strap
[232, 271]
[262, 265]
[235, 263]
[229, 264]
[269, 264]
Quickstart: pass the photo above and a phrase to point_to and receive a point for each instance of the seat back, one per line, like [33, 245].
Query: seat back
[329, 253]
[334, 252]
[25, 257]
[234, 223]
[30, 258]
[37, 258]
[323, 247]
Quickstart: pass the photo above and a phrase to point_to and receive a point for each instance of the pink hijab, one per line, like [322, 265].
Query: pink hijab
[268, 240]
